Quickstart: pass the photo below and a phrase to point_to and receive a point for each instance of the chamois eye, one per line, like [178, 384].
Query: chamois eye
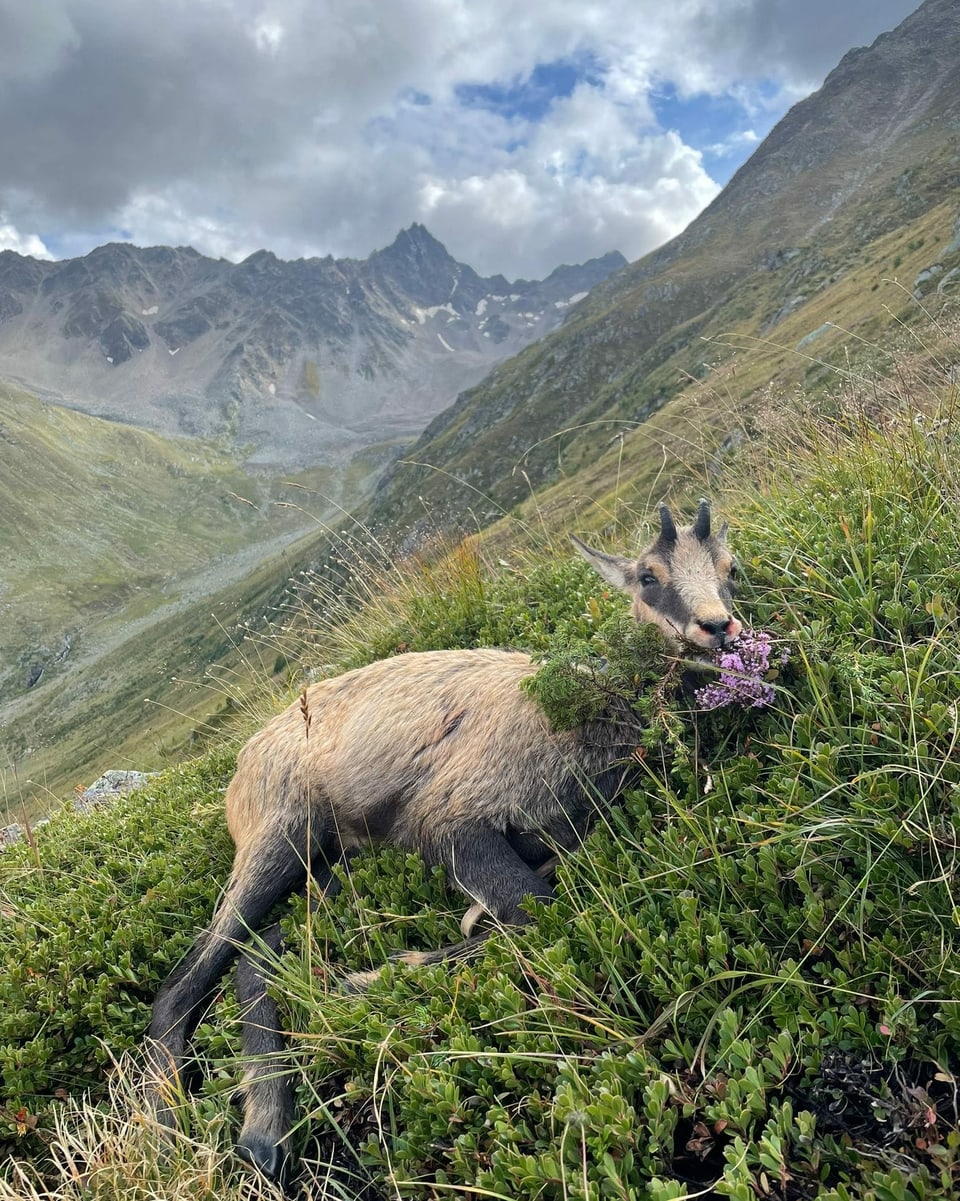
[648, 580]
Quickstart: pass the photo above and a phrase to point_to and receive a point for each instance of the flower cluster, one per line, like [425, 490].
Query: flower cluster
[744, 665]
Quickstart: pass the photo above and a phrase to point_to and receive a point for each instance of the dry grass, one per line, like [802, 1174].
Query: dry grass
[115, 1151]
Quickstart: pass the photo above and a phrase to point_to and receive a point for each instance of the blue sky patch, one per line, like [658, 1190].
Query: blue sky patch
[714, 125]
[529, 98]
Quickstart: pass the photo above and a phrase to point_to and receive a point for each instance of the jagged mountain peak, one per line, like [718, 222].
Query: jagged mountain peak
[418, 264]
[415, 239]
[260, 258]
[299, 361]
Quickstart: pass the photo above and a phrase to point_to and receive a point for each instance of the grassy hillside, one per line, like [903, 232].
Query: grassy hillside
[130, 562]
[92, 511]
[746, 987]
[165, 692]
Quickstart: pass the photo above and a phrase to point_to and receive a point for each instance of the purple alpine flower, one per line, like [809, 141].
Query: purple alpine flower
[744, 664]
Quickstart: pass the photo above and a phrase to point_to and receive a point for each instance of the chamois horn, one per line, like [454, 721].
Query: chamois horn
[668, 529]
[701, 527]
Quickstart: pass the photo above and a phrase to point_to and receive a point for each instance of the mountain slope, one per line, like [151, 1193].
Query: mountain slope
[100, 526]
[293, 363]
[874, 152]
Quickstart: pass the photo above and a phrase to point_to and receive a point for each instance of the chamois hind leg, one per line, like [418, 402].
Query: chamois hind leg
[268, 1088]
[263, 873]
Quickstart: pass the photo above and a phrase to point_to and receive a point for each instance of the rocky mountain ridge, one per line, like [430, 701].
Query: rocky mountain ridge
[294, 363]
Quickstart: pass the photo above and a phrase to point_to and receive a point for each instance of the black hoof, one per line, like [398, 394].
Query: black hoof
[266, 1158]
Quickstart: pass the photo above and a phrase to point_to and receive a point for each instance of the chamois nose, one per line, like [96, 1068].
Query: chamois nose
[724, 631]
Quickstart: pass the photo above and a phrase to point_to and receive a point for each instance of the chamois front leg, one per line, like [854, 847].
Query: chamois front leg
[484, 865]
[546, 871]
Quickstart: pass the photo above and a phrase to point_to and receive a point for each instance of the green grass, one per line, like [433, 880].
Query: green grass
[747, 985]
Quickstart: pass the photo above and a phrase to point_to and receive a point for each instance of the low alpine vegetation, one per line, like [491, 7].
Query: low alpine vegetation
[746, 986]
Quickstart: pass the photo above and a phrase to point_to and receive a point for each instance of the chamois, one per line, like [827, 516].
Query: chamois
[441, 752]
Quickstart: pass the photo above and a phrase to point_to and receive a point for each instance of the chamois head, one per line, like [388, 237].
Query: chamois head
[683, 582]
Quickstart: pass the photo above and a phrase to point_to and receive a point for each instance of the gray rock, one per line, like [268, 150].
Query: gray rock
[108, 788]
[954, 245]
[949, 281]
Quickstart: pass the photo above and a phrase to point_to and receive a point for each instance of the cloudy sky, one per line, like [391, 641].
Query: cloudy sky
[522, 133]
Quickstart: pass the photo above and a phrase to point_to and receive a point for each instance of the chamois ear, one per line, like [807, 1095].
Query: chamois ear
[615, 569]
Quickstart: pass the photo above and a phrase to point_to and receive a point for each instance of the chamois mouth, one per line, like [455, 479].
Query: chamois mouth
[690, 652]
[709, 636]
[701, 648]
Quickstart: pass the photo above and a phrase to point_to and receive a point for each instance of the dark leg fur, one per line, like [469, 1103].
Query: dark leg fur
[268, 1090]
[487, 867]
[268, 873]
[546, 870]
[532, 848]
[484, 864]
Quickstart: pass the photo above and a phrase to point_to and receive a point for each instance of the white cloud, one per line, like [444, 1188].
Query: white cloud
[734, 143]
[12, 239]
[586, 178]
[316, 126]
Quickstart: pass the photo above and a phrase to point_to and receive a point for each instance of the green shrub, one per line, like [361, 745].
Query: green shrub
[622, 665]
[93, 919]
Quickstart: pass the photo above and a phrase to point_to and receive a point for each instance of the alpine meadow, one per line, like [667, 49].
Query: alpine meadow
[738, 976]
